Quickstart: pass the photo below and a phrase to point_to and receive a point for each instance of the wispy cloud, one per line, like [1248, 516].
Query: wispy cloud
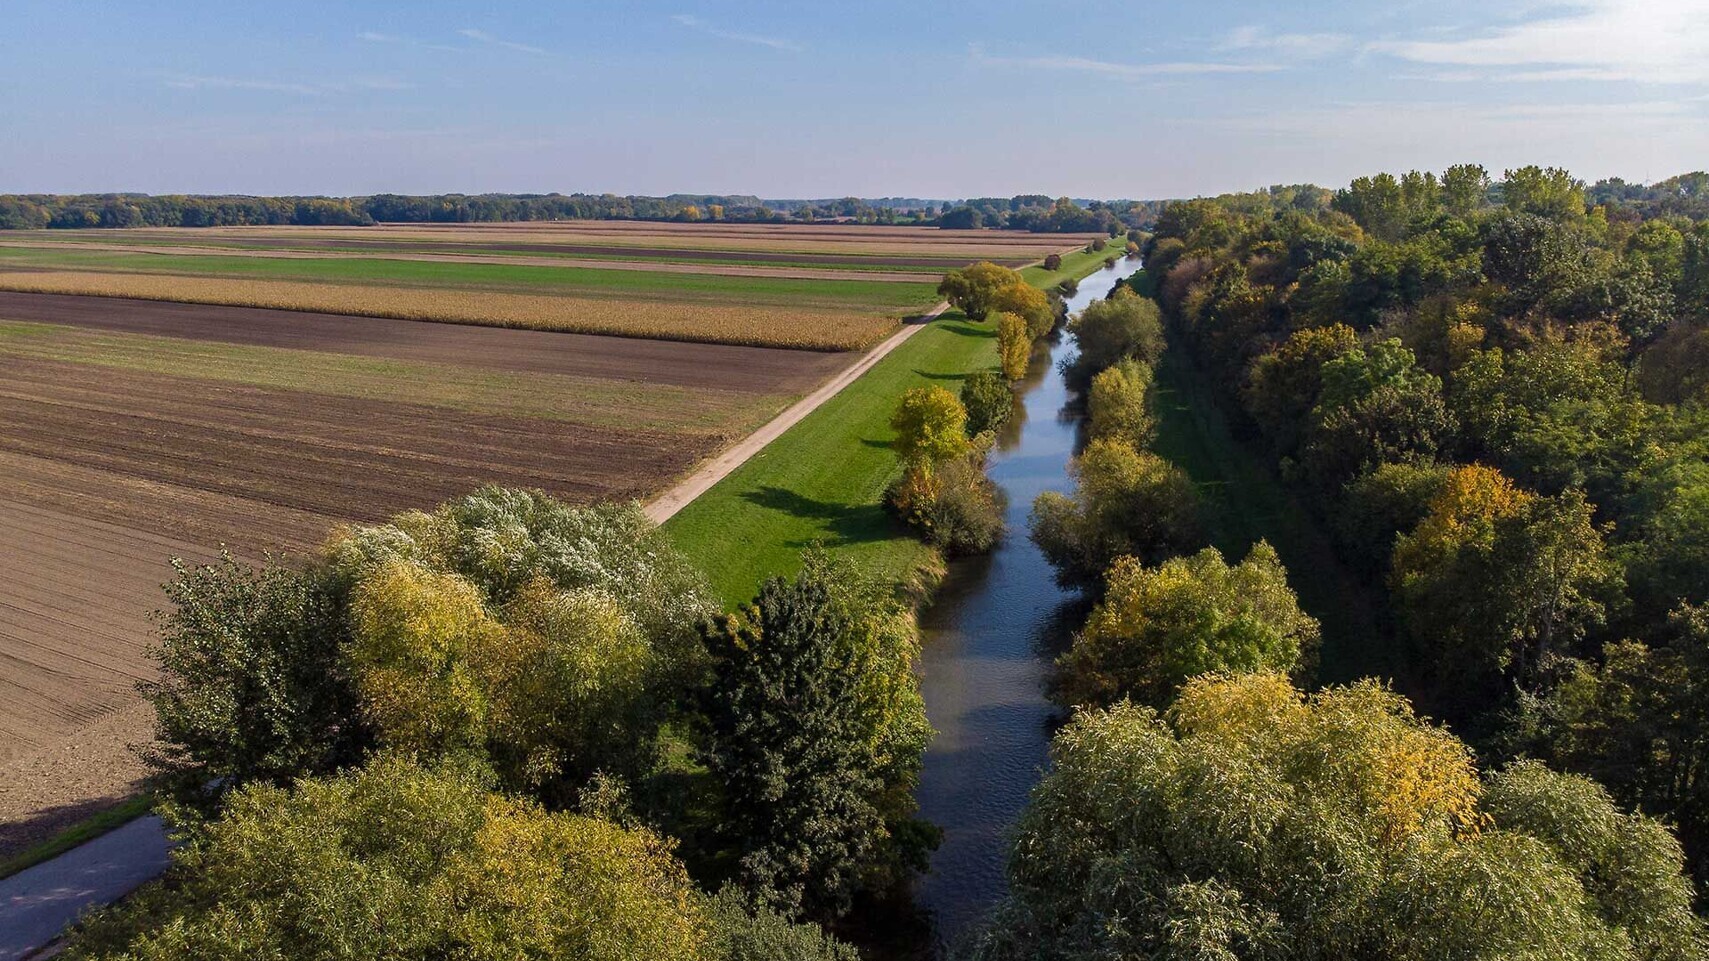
[318, 88]
[1305, 46]
[1648, 41]
[1136, 71]
[481, 36]
[775, 43]
[375, 37]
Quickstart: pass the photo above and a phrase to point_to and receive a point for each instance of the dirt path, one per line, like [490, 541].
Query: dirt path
[666, 505]
[651, 266]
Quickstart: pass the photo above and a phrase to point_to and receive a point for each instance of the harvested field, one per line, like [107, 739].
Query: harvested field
[827, 243]
[794, 272]
[131, 431]
[816, 329]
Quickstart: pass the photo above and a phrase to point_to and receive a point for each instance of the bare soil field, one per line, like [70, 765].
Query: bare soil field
[107, 469]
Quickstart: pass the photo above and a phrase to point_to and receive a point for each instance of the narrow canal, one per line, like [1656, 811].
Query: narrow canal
[989, 637]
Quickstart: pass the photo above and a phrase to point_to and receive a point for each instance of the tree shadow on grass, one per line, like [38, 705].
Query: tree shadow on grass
[970, 329]
[836, 525]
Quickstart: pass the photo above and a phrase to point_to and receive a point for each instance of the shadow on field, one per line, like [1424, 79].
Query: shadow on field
[837, 524]
[970, 329]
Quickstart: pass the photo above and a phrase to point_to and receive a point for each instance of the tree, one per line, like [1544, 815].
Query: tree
[972, 288]
[252, 687]
[398, 861]
[1126, 502]
[815, 730]
[1027, 302]
[1109, 331]
[1014, 346]
[1053, 262]
[1376, 407]
[1495, 580]
[1465, 189]
[1252, 821]
[1116, 405]
[989, 402]
[1551, 193]
[1283, 385]
[1636, 722]
[930, 426]
[1156, 627]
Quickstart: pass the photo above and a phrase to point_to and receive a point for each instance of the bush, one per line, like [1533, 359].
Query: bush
[1110, 331]
[1099, 244]
[1159, 626]
[1053, 262]
[988, 400]
[1014, 346]
[957, 508]
[1127, 502]
[397, 861]
[1116, 405]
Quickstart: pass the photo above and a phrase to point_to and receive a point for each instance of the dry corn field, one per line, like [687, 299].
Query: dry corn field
[765, 326]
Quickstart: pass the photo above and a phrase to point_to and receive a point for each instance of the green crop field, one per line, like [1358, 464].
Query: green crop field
[568, 279]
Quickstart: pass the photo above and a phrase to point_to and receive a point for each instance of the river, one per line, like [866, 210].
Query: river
[989, 637]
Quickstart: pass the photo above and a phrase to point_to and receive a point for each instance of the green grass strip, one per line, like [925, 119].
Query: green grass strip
[83, 831]
[1244, 501]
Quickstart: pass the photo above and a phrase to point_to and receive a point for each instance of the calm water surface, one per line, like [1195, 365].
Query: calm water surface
[989, 637]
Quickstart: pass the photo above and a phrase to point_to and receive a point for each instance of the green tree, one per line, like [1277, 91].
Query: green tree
[1014, 346]
[1116, 405]
[1112, 330]
[1027, 302]
[988, 401]
[972, 288]
[815, 730]
[1126, 502]
[1251, 821]
[251, 684]
[1551, 193]
[1636, 722]
[1283, 384]
[397, 861]
[930, 426]
[1465, 189]
[1156, 627]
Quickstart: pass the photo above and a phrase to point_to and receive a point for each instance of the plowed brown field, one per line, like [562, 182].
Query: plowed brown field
[107, 471]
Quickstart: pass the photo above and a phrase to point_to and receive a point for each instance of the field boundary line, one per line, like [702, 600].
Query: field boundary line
[680, 495]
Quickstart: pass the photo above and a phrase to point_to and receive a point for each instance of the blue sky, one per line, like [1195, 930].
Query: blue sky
[785, 99]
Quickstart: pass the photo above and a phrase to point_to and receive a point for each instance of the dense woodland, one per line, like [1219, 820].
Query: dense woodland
[1032, 212]
[1492, 394]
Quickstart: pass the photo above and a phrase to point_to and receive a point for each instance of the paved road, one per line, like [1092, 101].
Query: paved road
[666, 505]
[36, 904]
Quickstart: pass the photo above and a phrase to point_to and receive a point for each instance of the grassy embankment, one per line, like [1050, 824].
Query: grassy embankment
[823, 480]
[1244, 501]
[89, 829]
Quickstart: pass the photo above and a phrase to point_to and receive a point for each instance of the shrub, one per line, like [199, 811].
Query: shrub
[958, 508]
[1014, 346]
[988, 400]
[397, 861]
[1110, 331]
[1116, 405]
[1156, 627]
[1127, 502]
[1053, 262]
[1099, 244]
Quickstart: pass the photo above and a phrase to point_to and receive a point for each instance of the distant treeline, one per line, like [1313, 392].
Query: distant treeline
[1031, 212]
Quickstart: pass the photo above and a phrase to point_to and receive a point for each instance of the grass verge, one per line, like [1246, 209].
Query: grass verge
[823, 480]
[1244, 501]
[83, 831]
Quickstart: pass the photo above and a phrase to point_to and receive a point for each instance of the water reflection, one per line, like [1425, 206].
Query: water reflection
[989, 636]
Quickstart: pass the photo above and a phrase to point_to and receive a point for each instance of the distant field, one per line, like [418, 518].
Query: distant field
[134, 430]
[778, 325]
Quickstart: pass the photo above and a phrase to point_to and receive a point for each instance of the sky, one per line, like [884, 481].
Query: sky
[1130, 99]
